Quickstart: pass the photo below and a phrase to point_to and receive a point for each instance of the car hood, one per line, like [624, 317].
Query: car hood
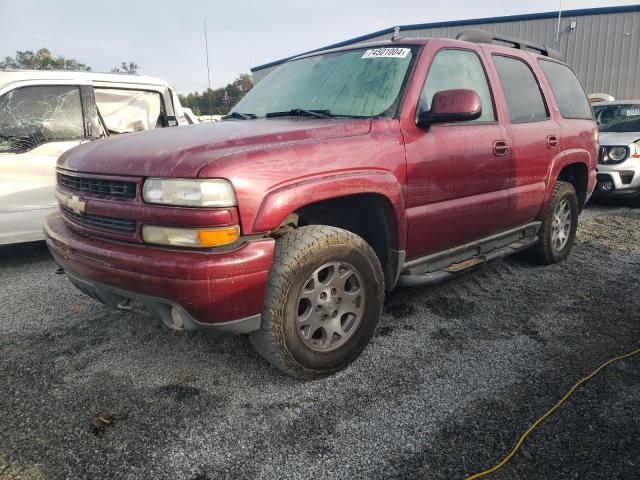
[184, 151]
[618, 138]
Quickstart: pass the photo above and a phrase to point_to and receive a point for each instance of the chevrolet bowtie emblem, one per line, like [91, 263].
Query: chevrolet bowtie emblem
[75, 204]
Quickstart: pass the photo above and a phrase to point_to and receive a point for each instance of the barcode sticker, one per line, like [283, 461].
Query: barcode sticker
[386, 53]
[633, 113]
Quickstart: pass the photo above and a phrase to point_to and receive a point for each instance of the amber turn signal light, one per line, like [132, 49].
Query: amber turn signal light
[190, 237]
[219, 236]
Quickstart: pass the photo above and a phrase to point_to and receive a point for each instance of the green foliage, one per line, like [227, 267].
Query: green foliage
[41, 60]
[130, 68]
[220, 100]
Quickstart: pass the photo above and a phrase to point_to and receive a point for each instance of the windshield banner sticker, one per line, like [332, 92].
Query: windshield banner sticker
[386, 53]
[633, 113]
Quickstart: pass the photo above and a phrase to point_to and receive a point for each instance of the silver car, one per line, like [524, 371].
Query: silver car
[619, 162]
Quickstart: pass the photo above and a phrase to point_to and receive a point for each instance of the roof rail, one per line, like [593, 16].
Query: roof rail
[483, 36]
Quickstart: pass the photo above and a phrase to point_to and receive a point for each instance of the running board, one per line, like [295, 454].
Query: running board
[432, 278]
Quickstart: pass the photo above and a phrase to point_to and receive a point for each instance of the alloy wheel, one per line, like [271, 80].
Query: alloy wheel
[561, 225]
[330, 306]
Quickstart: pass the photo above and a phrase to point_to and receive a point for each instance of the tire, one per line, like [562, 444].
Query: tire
[635, 201]
[310, 264]
[552, 248]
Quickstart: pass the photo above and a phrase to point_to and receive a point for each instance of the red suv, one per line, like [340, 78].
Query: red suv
[341, 175]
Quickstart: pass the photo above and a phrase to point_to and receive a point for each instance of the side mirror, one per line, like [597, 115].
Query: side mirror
[459, 105]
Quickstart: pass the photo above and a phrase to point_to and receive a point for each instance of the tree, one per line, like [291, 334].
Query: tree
[220, 100]
[131, 68]
[41, 60]
[244, 82]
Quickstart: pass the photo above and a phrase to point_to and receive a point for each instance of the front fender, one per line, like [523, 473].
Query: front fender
[282, 201]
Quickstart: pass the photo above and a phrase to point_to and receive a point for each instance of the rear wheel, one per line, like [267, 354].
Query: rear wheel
[323, 301]
[559, 225]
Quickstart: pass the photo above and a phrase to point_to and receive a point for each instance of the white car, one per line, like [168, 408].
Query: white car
[619, 162]
[45, 113]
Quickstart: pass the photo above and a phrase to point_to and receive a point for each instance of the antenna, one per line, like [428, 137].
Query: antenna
[396, 33]
[206, 49]
[559, 18]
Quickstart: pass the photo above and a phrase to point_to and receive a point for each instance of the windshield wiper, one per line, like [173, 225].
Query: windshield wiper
[296, 112]
[240, 116]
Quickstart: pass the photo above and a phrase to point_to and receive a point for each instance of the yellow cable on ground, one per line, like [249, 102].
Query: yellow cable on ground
[549, 412]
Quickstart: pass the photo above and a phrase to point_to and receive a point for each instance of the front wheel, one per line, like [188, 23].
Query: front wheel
[559, 224]
[322, 303]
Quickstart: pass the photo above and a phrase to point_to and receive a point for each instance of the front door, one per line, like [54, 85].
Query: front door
[458, 174]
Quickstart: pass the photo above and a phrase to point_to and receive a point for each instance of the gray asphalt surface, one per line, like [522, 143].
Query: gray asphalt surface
[454, 375]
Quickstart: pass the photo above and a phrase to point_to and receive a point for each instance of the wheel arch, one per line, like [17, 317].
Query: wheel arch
[369, 204]
[571, 167]
[577, 174]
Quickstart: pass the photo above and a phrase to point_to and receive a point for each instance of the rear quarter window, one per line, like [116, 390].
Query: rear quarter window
[567, 90]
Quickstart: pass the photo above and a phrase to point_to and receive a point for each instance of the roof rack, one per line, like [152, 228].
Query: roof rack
[482, 36]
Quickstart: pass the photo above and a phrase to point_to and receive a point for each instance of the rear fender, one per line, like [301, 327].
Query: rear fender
[564, 159]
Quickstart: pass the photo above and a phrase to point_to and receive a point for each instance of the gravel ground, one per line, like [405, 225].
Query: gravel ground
[454, 375]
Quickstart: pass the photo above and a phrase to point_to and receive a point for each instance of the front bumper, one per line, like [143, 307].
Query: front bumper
[621, 180]
[222, 291]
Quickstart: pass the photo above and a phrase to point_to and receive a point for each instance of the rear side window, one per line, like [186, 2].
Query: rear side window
[524, 99]
[452, 69]
[31, 116]
[567, 90]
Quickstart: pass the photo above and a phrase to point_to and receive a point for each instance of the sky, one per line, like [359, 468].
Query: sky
[165, 38]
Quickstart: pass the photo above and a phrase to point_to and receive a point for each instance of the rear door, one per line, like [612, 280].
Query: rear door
[38, 122]
[533, 134]
[457, 173]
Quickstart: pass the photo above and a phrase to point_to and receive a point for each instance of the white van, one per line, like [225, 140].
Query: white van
[44, 113]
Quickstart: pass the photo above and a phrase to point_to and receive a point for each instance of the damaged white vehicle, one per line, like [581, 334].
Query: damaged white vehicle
[45, 113]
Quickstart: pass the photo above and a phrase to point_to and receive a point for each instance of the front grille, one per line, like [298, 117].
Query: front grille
[119, 225]
[96, 186]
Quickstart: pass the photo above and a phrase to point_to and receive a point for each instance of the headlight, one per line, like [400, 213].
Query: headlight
[190, 237]
[189, 193]
[617, 153]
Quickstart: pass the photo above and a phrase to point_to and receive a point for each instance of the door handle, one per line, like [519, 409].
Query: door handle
[500, 148]
[553, 141]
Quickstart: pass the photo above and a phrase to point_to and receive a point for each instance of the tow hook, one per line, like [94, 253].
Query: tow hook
[127, 305]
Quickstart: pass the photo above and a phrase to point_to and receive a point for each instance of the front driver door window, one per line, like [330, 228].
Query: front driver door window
[126, 111]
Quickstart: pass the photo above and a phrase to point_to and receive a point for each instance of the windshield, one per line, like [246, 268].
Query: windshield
[618, 118]
[353, 83]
